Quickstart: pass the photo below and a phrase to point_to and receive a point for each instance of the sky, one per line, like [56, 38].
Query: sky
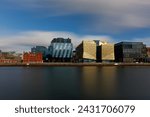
[27, 23]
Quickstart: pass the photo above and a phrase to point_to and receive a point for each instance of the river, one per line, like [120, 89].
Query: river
[75, 83]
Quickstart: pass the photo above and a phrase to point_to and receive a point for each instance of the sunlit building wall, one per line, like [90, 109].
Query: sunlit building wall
[105, 52]
[86, 51]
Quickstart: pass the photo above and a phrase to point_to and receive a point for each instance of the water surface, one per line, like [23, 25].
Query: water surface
[88, 82]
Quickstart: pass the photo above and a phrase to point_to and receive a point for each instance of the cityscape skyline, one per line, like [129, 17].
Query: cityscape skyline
[61, 50]
[27, 23]
[74, 43]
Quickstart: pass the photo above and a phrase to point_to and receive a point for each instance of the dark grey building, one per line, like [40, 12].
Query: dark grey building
[130, 52]
[61, 50]
[40, 49]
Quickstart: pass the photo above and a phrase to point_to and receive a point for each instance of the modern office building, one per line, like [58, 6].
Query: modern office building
[61, 50]
[86, 51]
[130, 52]
[40, 49]
[32, 57]
[105, 52]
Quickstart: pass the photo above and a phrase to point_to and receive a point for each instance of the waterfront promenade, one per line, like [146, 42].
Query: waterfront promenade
[73, 64]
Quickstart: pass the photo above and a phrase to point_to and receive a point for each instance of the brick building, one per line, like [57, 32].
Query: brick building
[8, 61]
[10, 57]
[32, 57]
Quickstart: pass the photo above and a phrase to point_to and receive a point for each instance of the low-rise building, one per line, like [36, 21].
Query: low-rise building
[10, 57]
[32, 57]
[8, 61]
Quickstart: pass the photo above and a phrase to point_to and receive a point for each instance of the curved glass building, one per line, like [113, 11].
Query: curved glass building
[61, 50]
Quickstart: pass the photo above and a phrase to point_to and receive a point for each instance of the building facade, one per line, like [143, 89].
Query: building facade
[10, 57]
[130, 52]
[148, 55]
[61, 50]
[148, 52]
[40, 49]
[86, 51]
[32, 57]
[105, 52]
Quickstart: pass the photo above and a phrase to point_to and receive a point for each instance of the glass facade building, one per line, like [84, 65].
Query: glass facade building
[40, 49]
[61, 50]
[130, 52]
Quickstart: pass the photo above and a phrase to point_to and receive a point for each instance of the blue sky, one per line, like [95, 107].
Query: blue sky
[26, 23]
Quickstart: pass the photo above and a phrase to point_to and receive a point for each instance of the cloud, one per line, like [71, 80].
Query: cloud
[23, 41]
[145, 40]
[102, 15]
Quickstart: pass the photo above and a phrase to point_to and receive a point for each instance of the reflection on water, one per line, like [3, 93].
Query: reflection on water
[99, 82]
[89, 81]
[107, 82]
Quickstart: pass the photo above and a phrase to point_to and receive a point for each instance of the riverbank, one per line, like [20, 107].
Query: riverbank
[73, 64]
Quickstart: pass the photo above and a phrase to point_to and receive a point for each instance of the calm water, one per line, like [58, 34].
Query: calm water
[75, 82]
